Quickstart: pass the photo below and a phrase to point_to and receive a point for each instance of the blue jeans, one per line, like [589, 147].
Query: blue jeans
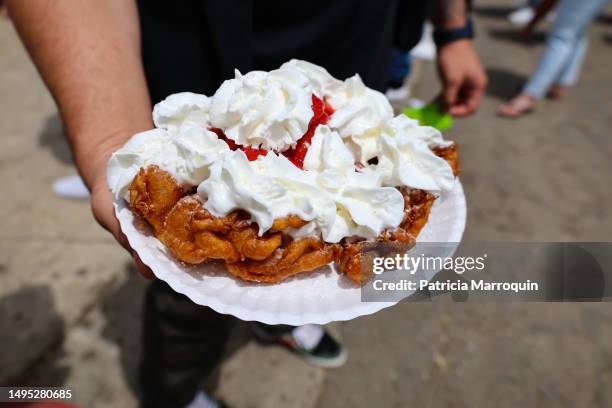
[399, 68]
[566, 46]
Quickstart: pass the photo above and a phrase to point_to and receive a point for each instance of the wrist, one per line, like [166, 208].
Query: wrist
[451, 23]
[459, 43]
[443, 36]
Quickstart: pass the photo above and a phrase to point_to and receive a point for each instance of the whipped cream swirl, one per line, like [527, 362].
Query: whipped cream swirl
[320, 82]
[181, 109]
[270, 110]
[186, 156]
[337, 200]
[359, 116]
[405, 158]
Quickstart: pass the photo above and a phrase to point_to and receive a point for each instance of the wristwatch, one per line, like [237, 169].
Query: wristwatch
[442, 37]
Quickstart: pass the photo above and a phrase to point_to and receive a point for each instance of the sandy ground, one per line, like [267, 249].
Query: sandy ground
[70, 301]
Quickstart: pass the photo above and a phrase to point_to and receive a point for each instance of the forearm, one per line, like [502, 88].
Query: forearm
[88, 54]
[448, 14]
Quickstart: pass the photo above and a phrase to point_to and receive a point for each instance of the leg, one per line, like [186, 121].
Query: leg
[570, 73]
[277, 329]
[182, 343]
[573, 18]
[399, 68]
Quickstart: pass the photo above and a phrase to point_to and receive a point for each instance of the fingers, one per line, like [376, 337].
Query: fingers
[468, 101]
[464, 103]
[467, 98]
[450, 93]
[144, 270]
[460, 111]
[104, 212]
[463, 77]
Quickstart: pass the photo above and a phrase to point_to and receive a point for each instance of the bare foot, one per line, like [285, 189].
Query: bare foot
[556, 92]
[517, 106]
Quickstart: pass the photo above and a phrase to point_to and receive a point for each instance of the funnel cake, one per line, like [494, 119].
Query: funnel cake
[282, 172]
[194, 236]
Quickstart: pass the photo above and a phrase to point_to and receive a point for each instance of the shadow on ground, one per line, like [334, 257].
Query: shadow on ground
[604, 19]
[29, 327]
[499, 12]
[122, 310]
[511, 35]
[504, 84]
[123, 315]
[52, 138]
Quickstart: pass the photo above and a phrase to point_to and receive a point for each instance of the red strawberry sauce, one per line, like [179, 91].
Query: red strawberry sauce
[321, 113]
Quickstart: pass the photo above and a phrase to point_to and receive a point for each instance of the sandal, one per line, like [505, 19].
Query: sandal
[556, 92]
[517, 107]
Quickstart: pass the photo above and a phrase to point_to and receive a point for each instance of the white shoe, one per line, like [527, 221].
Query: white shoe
[416, 103]
[70, 187]
[311, 342]
[203, 400]
[398, 94]
[426, 48]
[521, 17]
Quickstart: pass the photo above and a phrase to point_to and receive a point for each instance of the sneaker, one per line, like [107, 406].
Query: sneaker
[426, 48]
[203, 400]
[398, 94]
[311, 342]
[70, 187]
[521, 17]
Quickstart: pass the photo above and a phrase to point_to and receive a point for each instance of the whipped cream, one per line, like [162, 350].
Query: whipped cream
[405, 157]
[320, 82]
[337, 200]
[186, 156]
[363, 206]
[427, 134]
[327, 151]
[272, 110]
[181, 109]
[359, 115]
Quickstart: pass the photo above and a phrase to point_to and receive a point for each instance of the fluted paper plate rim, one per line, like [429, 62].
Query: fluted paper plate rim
[316, 298]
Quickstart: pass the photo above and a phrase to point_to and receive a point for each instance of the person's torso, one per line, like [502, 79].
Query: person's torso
[193, 45]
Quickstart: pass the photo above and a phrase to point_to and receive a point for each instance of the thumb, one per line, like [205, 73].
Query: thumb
[104, 212]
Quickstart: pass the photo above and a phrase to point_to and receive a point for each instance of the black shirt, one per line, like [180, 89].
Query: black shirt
[194, 45]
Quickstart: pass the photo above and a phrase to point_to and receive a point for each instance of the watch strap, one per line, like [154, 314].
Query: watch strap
[443, 37]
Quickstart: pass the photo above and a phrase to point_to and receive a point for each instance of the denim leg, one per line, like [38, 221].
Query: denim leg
[570, 73]
[399, 68]
[573, 19]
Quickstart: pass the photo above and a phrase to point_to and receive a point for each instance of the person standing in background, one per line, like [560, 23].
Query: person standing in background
[561, 61]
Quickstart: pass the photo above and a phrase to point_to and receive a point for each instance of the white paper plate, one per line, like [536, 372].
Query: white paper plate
[319, 297]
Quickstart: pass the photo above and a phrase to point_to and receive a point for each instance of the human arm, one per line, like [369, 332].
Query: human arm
[88, 54]
[463, 78]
